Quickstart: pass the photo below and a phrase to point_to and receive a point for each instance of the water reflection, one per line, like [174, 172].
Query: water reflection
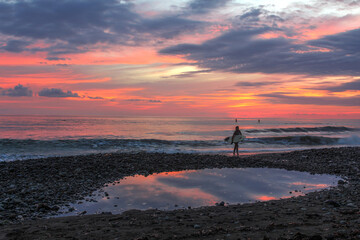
[206, 187]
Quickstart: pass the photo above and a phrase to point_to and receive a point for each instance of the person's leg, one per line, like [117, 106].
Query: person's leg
[236, 148]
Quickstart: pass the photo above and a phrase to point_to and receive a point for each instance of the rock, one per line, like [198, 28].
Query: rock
[82, 213]
[43, 206]
[332, 203]
[220, 204]
[197, 226]
[351, 205]
[55, 208]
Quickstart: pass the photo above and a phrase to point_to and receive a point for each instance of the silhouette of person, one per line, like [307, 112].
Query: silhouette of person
[236, 139]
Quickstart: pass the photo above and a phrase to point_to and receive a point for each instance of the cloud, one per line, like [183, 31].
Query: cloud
[77, 26]
[95, 97]
[189, 74]
[339, 5]
[251, 15]
[255, 84]
[56, 58]
[204, 6]
[170, 26]
[65, 20]
[15, 46]
[278, 98]
[242, 51]
[57, 92]
[18, 91]
[352, 86]
[143, 100]
[346, 42]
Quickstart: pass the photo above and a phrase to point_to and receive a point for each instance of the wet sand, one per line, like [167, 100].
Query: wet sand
[34, 189]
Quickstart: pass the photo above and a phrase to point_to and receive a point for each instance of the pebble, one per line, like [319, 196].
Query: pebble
[351, 205]
[68, 179]
[220, 204]
[197, 226]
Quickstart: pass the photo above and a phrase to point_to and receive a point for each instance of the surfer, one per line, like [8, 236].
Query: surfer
[236, 139]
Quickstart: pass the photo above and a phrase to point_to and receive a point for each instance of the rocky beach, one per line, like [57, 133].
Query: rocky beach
[33, 190]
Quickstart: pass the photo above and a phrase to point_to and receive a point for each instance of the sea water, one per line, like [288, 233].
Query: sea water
[24, 137]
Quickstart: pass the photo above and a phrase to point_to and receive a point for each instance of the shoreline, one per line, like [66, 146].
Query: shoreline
[33, 189]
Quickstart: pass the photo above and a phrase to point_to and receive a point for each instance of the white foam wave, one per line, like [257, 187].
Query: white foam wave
[352, 140]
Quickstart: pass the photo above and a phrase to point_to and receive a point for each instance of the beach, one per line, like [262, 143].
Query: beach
[32, 190]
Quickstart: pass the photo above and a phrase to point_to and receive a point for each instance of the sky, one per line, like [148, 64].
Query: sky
[204, 58]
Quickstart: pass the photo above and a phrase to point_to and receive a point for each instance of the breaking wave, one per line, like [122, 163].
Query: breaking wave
[296, 140]
[303, 130]
[16, 149]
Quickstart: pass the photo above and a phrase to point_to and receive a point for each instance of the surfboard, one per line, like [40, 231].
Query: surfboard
[237, 138]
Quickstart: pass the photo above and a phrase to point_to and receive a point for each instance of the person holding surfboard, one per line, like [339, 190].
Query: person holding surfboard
[236, 137]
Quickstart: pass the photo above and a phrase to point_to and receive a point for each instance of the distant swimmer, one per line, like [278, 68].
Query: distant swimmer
[235, 119]
[258, 120]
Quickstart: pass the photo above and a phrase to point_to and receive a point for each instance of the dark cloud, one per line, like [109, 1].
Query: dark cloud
[251, 15]
[278, 98]
[204, 6]
[18, 91]
[170, 26]
[56, 59]
[64, 20]
[346, 42]
[355, 85]
[95, 97]
[242, 51]
[56, 92]
[254, 84]
[260, 17]
[143, 100]
[75, 26]
[15, 46]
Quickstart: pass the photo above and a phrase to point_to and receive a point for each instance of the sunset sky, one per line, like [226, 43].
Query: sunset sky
[220, 58]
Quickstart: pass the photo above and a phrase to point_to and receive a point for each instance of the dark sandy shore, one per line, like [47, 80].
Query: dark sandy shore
[34, 189]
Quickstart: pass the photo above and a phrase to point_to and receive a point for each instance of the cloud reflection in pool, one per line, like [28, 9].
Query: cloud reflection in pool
[206, 187]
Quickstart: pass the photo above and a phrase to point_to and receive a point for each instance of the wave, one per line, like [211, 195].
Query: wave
[16, 149]
[28, 144]
[303, 130]
[98, 143]
[296, 140]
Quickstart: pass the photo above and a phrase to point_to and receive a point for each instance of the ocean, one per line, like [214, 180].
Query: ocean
[26, 137]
